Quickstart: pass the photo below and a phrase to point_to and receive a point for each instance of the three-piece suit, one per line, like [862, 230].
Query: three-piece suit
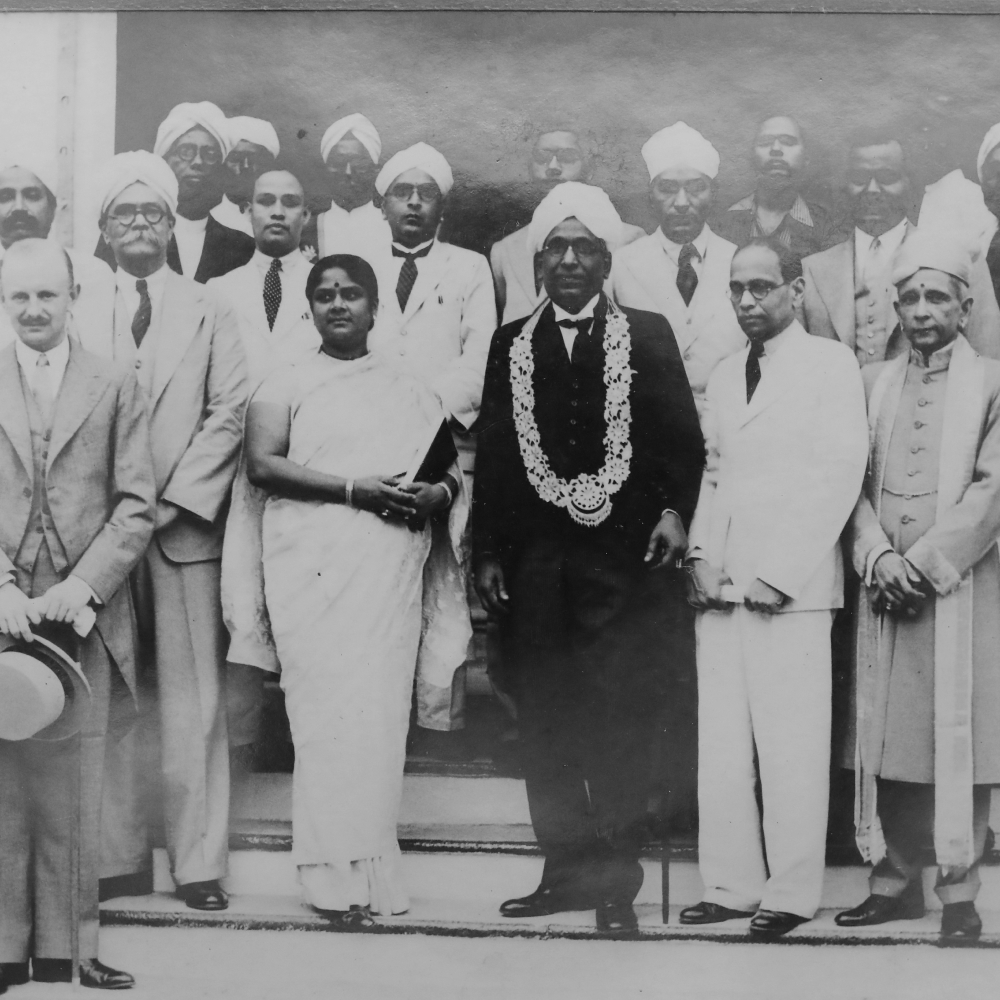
[77, 497]
[588, 635]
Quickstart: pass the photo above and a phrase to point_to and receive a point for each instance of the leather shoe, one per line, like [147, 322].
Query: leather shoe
[13, 974]
[711, 913]
[93, 973]
[203, 895]
[768, 924]
[960, 925]
[546, 900]
[616, 918]
[357, 918]
[881, 909]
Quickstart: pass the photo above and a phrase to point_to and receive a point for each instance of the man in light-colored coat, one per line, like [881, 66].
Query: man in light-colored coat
[184, 343]
[787, 446]
[923, 540]
[682, 270]
[76, 513]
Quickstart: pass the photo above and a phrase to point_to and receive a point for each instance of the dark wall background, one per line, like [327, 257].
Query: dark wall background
[478, 86]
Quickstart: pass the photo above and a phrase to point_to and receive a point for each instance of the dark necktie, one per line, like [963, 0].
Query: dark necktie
[140, 321]
[407, 273]
[687, 277]
[272, 291]
[753, 367]
[582, 327]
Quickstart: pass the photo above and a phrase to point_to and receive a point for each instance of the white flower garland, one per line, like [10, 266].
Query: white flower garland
[587, 498]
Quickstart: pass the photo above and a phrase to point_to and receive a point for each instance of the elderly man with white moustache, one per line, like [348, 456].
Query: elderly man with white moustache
[682, 270]
[255, 147]
[351, 148]
[436, 319]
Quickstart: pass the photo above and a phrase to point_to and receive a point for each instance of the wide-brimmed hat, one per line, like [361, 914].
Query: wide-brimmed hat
[43, 693]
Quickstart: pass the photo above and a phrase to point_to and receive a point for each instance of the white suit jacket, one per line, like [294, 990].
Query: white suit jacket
[783, 472]
[643, 277]
[294, 332]
[443, 336]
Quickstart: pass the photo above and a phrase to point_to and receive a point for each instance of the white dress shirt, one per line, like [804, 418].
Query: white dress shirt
[771, 347]
[58, 357]
[130, 294]
[190, 236]
[873, 254]
[568, 333]
[673, 250]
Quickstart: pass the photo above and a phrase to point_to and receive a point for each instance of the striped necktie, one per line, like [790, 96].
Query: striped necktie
[407, 273]
[143, 315]
[272, 291]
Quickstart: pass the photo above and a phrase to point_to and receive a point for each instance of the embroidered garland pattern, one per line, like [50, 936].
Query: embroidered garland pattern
[587, 497]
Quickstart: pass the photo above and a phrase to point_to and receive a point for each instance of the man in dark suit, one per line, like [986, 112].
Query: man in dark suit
[194, 139]
[77, 502]
[589, 463]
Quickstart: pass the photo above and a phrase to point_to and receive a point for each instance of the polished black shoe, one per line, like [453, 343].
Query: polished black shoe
[357, 918]
[544, 901]
[768, 924]
[616, 918]
[93, 973]
[882, 909]
[960, 925]
[14, 974]
[711, 913]
[203, 895]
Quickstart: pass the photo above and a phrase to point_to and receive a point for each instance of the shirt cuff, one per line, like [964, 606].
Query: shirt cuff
[873, 557]
[93, 596]
[6, 578]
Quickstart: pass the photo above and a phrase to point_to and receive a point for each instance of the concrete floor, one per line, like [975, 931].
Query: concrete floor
[206, 964]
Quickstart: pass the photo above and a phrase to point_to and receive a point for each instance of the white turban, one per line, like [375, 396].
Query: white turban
[204, 115]
[242, 128]
[990, 143]
[954, 206]
[139, 166]
[42, 167]
[358, 126]
[679, 145]
[422, 157]
[935, 251]
[573, 200]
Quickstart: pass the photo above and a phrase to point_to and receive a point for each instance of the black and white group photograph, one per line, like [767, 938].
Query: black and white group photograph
[499, 504]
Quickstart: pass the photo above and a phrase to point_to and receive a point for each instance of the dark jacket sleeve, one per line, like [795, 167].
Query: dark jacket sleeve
[104, 252]
[667, 439]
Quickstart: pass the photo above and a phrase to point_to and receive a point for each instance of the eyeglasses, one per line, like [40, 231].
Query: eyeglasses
[125, 215]
[883, 178]
[425, 192]
[210, 155]
[581, 246]
[564, 157]
[758, 288]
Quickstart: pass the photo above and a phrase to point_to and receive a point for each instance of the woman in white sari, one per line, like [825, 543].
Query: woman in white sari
[354, 593]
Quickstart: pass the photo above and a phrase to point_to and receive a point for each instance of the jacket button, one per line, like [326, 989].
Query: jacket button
[927, 379]
[871, 352]
[572, 402]
[138, 364]
[906, 519]
[572, 441]
[27, 492]
[39, 530]
[918, 424]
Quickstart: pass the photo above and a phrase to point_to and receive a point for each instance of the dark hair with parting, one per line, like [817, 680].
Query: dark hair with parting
[789, 261]
[356, 268]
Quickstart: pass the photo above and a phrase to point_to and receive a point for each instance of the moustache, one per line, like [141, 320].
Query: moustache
[19, 220]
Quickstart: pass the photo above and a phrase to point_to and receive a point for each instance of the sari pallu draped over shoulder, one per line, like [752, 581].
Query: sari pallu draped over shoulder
[953, 620]
[446, 626]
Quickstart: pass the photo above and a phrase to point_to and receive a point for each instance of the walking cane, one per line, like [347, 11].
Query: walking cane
[74, 867]
[665, 855]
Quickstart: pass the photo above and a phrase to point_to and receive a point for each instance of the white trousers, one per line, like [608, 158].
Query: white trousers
[764, 683]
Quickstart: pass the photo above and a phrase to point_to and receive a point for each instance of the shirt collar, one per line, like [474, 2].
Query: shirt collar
[587, 312]
[27, 357]
[889, 239]
[416, 249]
[288, 260]
[799, 210]
[774, 344]
[190, 225]
[674, 249]
[154, 281]
[938, 361]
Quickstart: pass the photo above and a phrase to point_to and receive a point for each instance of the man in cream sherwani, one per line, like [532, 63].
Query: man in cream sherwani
[436, 318]
[923, 538]
[682, 270]
[268, 296]
[787, 446]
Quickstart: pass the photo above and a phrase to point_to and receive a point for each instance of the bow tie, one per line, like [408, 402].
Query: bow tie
[396, 252]
[581, 325]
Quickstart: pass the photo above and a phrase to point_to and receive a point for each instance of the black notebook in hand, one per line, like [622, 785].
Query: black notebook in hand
[433, 460]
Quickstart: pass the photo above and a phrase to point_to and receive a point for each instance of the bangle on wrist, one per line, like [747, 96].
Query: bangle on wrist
[349, 493]
[447, 489]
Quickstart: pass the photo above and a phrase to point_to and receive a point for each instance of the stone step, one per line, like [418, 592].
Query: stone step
[464, 917]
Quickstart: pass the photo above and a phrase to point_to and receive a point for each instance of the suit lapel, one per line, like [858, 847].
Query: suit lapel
[523, 267]
[835, 285]
[776, 378]
[13, 412]
[211, 251]
[180, 317]
[82, 386]
[430, 270]
[650, 271]
[714, 275]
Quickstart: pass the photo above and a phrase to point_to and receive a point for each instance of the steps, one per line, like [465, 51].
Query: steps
[467, 846]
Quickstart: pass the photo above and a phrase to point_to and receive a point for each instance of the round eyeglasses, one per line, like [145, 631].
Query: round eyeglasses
[125, 215]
